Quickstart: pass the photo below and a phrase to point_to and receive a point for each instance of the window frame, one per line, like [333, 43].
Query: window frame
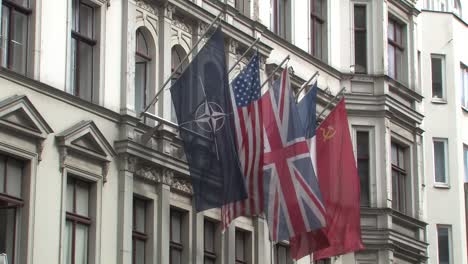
[449, 240]
[207, 254]
[173, 245]
[13, 202]
[465, 163]
[364, 30]
[318, 18]
[402, 179]
[138, 235]
[288, 253]
[446, 183]
[443, 88]
[397, 24]
[464, 86]
[367, 158]
[247, 236]
[146, 60]
[243, 6]
[282, 27]
[28, 12]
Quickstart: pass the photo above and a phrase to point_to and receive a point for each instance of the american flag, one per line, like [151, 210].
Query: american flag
[249, 139]
[293, 201]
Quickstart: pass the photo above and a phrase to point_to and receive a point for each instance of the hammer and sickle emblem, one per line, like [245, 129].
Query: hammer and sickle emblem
[328, 133]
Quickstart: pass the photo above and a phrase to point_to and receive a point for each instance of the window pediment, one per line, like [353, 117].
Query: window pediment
[84, 143]
[19, 114]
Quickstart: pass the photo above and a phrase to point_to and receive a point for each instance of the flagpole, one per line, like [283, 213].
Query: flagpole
[243, 55]
[305, 84]
[331, 101]
[174, 72]
[275, 70]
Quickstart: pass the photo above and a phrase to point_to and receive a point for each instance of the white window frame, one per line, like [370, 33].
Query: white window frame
[443, 73]
[450, 243]
[444, 184]
[367, 6]
[465, 163]
[464, 86]
[372, 157]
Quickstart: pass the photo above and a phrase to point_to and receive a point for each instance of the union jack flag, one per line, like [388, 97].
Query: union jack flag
[249, 139]
[293, 202]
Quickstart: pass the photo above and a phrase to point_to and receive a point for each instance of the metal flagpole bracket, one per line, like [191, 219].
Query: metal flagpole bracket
[275, 70]
[305, 84]
[243, 55]
[337, 96]
[175, 71]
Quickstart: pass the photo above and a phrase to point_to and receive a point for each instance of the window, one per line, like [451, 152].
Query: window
[399, 174]
[322, 261]
[440, 160]
[437, 73]
[360, 39]
[176, 244]
[395, 49]
[83, 50]
[142, 60]
[465, 161]
[11, 179]
[177, 55]
[283, 255]
[464, 85]
[282, 18]
[209, 242]
[241, 247]
[14, 34]
[444, 244]
[139, 233]
[363, 164]
[243, 6]
[78, 221]
[317, 27]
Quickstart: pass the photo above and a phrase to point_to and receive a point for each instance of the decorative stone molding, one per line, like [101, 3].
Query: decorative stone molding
[179, 23]
[18, 115]
[233, 46]
[143, 4]
[164, 176]
[169, 10]
[84, 144]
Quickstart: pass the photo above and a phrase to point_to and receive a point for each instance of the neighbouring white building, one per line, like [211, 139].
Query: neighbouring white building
[84, 179]
[443, 38]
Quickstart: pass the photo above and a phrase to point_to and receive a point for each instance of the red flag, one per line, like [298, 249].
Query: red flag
[339, 185]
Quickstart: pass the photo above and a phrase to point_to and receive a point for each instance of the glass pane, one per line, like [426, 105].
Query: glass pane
[74, 16]
[465, 158]
[19, 42]
[140, 215]
[74, 69]
[436, 70]
[176, 226]
[2, 174]
[176, 256]
[363, 170]
[86, 20]
[395, 191]
[70, 195]
[82, 198]
[140, 85]
[240, 246]
[81, 244]
[68, 241]
[362, 144]
[317, 7]
[14, 177]
[141, 45]
[85, 71]
[209, 261]
[394, 154]
[401, 158]
[398, 34]
[282, 255]
[443, 245]
[399, 64]
[439, 161]
[209, 236]
[4, 36]
[391, 30]
[360, 17]
[139, 252]
[7, 228]
[360, 52]
[391, 61]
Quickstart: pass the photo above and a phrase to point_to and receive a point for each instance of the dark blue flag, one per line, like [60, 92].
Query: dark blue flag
[308, 111]
[204, 114]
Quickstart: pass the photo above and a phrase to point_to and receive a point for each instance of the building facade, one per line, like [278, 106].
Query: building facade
[86, 178]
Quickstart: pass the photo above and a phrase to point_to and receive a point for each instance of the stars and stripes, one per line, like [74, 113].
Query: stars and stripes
[293, 202]
[249, 138]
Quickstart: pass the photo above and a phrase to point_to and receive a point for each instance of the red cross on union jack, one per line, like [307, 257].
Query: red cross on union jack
[293, 201]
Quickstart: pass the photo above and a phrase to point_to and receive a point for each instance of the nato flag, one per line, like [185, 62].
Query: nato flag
[204, 112]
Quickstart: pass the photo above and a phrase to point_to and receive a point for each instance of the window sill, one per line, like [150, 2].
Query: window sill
[440, 185]
[438, 101]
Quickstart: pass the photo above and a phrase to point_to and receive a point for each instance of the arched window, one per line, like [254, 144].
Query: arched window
[142, 62]
[177, 55]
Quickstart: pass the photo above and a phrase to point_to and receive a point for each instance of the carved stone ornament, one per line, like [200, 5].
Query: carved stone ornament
[169, 10]
[233, 46]
[130, 163]
[167, 176]
[182, 185]
[180, 24]
[146, 6]
[63, 157]
[149, 173]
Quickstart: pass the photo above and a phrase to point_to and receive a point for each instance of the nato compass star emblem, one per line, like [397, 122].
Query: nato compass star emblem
[209, 116]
